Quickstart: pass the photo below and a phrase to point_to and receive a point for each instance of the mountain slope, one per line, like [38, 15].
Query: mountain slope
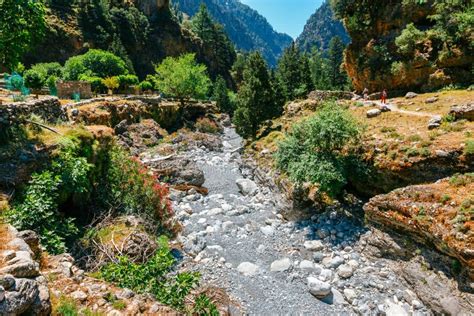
[320, 28]
[246, 27]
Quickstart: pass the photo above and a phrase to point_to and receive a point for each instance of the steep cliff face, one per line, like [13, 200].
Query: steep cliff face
[320, 28]
[142, 32]
[247, 29]
[402, 45]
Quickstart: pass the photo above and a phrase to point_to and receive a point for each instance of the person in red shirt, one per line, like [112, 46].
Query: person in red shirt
[384, 96]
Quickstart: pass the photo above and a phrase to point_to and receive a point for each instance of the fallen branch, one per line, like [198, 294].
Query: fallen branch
[44, 126]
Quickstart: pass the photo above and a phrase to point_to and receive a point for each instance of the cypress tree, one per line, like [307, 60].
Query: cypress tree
[221, 96]
[336, 56]
[256, 98]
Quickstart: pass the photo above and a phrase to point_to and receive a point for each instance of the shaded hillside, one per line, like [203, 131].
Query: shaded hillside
[404, 45]
[320, 28]
[141, 32]
[246, 27]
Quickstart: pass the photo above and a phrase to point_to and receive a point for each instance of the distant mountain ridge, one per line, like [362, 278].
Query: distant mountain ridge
[321, 27]
[246, 27]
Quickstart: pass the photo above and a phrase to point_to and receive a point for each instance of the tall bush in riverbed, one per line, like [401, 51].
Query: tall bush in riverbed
[319, 149]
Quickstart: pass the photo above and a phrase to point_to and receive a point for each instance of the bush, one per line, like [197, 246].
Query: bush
[408, 39]
[38, 210]
[34, 79]
[150, 277]
[206, 125]
[111, 83]
[319, 149]
[94, 63]
[146, 85]
[97, 85]
[132, 189]
[49, 69]
[127, 81]
[469, 147]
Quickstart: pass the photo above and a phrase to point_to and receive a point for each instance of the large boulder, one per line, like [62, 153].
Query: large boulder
[463, 112]
[318, 288]
[140, 136]
[373, 113]
[177, 170]
[246, 186]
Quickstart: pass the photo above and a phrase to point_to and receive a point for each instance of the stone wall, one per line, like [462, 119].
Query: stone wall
[48, 108]
[23, 290]
[66, 89]
[321, 95]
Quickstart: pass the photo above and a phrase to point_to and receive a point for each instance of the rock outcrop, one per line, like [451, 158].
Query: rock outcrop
[463, 112]
[23, 290]
[438, 214]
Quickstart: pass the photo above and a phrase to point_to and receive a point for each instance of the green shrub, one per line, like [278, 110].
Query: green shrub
[131, 189]
[445, 198]
[207, 125]
[459, 180]
[204, 306]
[469, 147]
[408, 39]
[318, 149]
[34, 79]
[38, 209]
[146, 85]
[127, 81]
[151, 277]
[66, 307]
[96, 83]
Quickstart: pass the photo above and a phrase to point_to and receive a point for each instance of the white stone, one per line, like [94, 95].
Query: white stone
[227, 225]
[313, 245]
[307, 266]
[325, 275]
[214, 211]
[248, 268]
[350, 295]
[373, 113]
[246, 186]
[318, 288]
[281, 265]
[267, 230]
[345, 271]
[393, 309]
[79, 295]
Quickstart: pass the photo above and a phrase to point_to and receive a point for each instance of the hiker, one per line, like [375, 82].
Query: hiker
[384, 96]
[365, 93]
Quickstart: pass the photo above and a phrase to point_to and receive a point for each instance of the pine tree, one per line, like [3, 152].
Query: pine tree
[221, 96]
[306, 84]
[202, 24]
[336, 56]
[256, 98]
[319, 70]
[289, 72]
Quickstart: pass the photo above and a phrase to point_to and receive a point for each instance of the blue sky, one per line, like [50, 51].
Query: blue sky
[287, 16]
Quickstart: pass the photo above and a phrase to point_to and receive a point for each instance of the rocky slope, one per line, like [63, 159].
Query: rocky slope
[141, 31]
[246, 27]
[434, 52]
[320, 28]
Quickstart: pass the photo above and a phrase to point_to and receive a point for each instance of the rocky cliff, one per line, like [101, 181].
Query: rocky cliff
[247, 29]
[403, 45]
[142, 32]
[320, 28]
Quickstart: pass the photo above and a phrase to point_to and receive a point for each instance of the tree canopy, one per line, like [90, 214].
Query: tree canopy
[21, 25]
[182, 77]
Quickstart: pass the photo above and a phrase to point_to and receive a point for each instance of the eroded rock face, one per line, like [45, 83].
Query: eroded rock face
[177, 171]
[438, 213]
[140, 136]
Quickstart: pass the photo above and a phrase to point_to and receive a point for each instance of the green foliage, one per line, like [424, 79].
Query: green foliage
[67, 307]
[221, 96]
[293, 74]
[130, 189]
[34, 79]
[127, 81]
[207, 125]
[97, 84]
[408, 39]
[459, 180]
[256, 98]
[146, 85]
[336, 55]
[22, 24]
[182, 77]
[318, 150]
[151, 277]
[204, 306]
[111, 83]
[38, 210]
[469, 147]
[220, 50]
[94, 63]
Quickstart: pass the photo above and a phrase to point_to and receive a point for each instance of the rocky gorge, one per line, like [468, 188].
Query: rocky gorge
[245, 232]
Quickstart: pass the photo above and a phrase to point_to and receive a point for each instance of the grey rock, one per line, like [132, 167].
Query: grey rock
[79, 295]
[314, 245]
[248, 268]
[373, 113]
[345, 271]
[19, 301]
[463, 112]
[434, 122]
[267, 230]
[246, 186]
[22, 269]
[431, 100]
[306, 266]
[281, 265]
[318, 256]
[318, 288]
[411, 95]
[7, 281]
[350, 295]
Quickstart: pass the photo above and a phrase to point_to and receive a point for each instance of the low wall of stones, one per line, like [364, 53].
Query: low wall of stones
[47, 108]
[23, 290]
[321, 95]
